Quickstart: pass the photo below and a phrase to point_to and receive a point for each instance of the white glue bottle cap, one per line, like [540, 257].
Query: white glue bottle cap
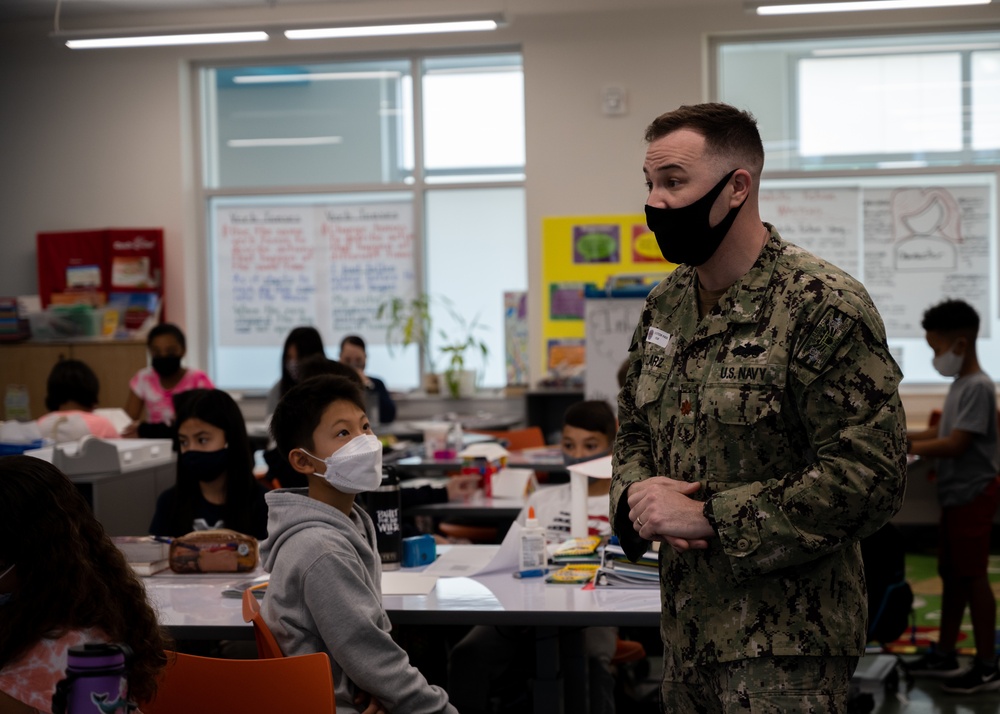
[531, 521]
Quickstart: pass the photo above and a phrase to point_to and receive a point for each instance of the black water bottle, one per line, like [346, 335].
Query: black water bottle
[95, 681]
[385, 509]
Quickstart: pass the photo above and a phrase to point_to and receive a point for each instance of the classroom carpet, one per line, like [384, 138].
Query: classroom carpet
[921, 573]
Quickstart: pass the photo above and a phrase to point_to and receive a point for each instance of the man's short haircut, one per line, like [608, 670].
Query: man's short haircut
[951, 316]
[71, 381]
[353, 340]
[593, 415]
[729, 132]
[300, 410]
[167, 328]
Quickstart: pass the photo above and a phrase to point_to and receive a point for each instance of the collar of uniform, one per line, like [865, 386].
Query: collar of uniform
[744, 300]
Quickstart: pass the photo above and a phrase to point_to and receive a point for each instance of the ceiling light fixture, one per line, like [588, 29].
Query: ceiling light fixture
[797, 7]
[417, 27]
[194, 38]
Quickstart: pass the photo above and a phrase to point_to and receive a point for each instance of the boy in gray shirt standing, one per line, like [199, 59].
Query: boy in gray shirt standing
[965, 444]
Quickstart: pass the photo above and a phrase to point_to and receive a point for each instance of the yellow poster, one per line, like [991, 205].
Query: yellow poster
[582, 250]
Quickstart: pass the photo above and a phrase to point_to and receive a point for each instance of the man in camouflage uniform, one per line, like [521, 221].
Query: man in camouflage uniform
[761, 436]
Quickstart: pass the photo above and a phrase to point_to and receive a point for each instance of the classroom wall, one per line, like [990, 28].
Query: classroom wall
[107, 138]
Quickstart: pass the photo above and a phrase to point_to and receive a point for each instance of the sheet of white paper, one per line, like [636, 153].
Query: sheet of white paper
[508, 557]
[511, 483]
[461, 562]
[395, 583]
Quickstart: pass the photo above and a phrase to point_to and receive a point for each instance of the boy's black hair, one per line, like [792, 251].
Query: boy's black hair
[951, 316]
[300, 410]
[317, 365]
[167, 328]
[71, 381]
[593, 415]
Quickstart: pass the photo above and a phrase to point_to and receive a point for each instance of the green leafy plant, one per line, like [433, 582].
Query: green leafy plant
[408, 322]
[456, 348]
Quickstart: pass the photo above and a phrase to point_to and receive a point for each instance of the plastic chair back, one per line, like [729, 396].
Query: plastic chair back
[267, 646]
[206, 685]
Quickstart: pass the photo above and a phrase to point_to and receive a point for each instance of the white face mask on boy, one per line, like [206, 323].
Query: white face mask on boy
[948, 364]
[356, 467]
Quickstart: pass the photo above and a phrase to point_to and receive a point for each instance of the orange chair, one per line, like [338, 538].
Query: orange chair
[516, 439]
[206, 685]
[628, 651]
[473, 534]
[267, 646]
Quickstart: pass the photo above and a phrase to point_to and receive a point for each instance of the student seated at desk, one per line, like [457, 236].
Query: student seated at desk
[63, 583]
[324, 592]
[215, 485]
[301, 343]
[153, 388]
[71, 395]
[484, 663]
[354, 354]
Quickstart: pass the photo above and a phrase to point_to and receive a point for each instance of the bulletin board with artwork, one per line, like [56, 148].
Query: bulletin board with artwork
[577, 250]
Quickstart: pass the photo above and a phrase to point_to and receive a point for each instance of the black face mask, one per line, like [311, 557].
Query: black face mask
[166, 366]
[205, 465]
[684, 234]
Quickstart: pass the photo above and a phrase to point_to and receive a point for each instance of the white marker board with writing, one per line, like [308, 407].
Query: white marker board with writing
[610, 323]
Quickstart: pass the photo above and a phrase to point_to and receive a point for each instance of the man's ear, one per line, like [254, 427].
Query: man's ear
[301, 462]
[742, 183]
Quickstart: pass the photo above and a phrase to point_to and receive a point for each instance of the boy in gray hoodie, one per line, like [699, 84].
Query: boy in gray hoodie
[324, 593]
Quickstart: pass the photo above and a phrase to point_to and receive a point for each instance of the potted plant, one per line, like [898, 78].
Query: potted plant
[460, 380]
[408, 322]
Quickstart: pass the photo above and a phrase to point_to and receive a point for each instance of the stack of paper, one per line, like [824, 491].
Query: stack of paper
[145, 554]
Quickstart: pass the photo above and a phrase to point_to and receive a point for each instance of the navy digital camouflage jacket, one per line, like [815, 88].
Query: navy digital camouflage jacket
[782, 403]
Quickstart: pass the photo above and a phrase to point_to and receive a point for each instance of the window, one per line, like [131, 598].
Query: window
[324, 199]
[880, 101]
[883, 157]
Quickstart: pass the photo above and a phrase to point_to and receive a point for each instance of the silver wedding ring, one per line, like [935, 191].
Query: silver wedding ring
[641, 524]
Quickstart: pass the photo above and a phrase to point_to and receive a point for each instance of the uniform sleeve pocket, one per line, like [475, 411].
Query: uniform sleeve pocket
[649, 387]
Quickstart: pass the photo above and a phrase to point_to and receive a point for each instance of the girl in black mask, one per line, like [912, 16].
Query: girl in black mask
[153, 388]
[215, 485]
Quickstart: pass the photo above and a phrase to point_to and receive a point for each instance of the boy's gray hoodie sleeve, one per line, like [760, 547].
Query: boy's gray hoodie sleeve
[346, 607]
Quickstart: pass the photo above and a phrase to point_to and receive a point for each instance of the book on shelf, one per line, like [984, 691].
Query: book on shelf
[617, 570]
[258, 586]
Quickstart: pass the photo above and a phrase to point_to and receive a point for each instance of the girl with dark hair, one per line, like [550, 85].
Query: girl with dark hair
[215, 485]
[302, 342]
[71, 395]
[152, 388]
[63, 583]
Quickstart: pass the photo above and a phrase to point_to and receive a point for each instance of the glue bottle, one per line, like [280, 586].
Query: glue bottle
[532, 543]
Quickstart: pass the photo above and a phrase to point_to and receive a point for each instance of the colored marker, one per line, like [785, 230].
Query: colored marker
[534, 573]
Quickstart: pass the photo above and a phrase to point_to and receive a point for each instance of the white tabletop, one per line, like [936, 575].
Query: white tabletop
[192, 607]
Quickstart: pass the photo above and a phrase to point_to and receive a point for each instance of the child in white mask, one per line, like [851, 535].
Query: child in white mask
[324, 592]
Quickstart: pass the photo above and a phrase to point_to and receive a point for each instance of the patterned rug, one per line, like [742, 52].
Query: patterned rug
[921, 573]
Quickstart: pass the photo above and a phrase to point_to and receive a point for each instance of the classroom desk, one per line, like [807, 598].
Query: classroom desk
[192, 607]
[480, 508]
[545, 459]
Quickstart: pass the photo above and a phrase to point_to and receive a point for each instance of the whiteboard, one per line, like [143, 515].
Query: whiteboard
[321, 263]
[610, 323]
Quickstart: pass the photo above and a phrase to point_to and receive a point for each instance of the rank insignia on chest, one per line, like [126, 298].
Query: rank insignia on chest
[686, 407]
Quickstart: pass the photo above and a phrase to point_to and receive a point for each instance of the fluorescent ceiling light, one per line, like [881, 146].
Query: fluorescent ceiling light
[204, 38]
[314, 77]
[291, 141]
[778, 8]
[412, 28]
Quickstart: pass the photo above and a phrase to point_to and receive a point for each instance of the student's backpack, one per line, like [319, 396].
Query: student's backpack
[890, 599]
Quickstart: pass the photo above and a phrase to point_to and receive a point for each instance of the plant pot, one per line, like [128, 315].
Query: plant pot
[460, 383]
[432, 383]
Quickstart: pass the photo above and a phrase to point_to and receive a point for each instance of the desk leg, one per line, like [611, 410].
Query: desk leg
[548, 696]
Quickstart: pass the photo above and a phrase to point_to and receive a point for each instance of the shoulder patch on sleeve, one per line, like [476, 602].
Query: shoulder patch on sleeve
[833, 326]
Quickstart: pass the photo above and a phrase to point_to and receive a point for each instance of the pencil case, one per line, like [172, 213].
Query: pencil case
[213, 551]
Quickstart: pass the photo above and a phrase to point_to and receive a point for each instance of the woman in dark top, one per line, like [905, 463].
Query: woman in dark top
[215, 485]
